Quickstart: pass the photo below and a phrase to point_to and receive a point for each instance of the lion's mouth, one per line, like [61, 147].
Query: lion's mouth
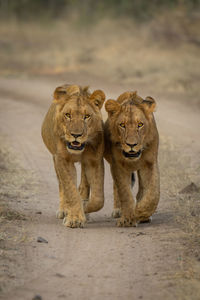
[75, 145]
[132, 154]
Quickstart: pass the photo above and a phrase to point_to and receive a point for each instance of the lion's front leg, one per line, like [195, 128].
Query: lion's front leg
[71, 200]
[122, 181]
[62, 211]
[95, 177]
[149, 192]
[84, 188]
[117, 204]
[140, 187]
[116, 213]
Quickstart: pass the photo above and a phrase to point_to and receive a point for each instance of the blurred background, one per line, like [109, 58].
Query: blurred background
[137, 43]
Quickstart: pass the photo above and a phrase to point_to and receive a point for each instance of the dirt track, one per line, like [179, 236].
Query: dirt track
[100, 261]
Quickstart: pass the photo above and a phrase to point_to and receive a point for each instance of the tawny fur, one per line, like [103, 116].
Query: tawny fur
[73, 132]
[131, 144]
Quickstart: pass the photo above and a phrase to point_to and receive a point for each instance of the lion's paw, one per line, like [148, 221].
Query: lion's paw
[127, 222]
[116, 213]
[74, 221]
[60, 214]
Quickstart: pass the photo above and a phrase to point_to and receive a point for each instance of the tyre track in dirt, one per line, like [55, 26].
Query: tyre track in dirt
[101, 260]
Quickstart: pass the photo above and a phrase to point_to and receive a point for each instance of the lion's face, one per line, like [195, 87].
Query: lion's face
[131, 127]
[130, 120]
[78, 116]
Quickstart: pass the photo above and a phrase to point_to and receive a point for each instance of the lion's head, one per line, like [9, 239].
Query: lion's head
[131, 123]
[78, 118]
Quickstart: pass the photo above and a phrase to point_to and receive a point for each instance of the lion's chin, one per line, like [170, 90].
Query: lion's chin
[75, 147]
[132, 154]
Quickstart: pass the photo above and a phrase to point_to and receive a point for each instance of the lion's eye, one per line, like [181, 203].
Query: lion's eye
[87, 116]
[140, 124]
[68, 116]
[122, 125]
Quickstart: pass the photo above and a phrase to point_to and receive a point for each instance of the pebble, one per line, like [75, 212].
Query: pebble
[140, 233]
[59, 275]
[37, 297]
[41, 240]
[190, 188]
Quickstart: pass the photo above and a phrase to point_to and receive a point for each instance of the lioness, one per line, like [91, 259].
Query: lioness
[73, 132]
[131, 144]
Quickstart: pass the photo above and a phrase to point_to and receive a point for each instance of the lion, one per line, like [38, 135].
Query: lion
[73, 132]
[131, 144]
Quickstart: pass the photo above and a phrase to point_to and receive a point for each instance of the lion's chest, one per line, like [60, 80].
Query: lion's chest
[130, 165]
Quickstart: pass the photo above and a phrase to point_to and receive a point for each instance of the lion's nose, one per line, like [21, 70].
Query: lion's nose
[132, 145]
[76, 135]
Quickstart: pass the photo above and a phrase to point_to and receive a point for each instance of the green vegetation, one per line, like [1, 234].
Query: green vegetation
[91, 9]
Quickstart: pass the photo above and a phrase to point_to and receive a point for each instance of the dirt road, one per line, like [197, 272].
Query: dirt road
[100, 261]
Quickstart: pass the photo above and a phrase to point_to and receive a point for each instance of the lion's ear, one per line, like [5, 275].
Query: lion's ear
[98, 98]
[60, 93]
[127, 96]
[112, 106]
[150, 104]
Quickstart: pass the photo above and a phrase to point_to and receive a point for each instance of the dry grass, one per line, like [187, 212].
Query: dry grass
[16, 186]
[188, 218]
[8, 214]
[184, 201]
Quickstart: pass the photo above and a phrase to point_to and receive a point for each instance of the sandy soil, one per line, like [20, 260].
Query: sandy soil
[100, 261]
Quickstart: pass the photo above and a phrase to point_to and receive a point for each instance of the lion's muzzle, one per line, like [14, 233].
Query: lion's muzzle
[75, 146]
[132, 154]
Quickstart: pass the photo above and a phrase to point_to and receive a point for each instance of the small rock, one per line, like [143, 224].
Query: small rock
[190, 188]
[38, 212]
[59, 275]
[41, 240]
[193, 214]
[140, 233]
[37, 297]
[132, 234]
